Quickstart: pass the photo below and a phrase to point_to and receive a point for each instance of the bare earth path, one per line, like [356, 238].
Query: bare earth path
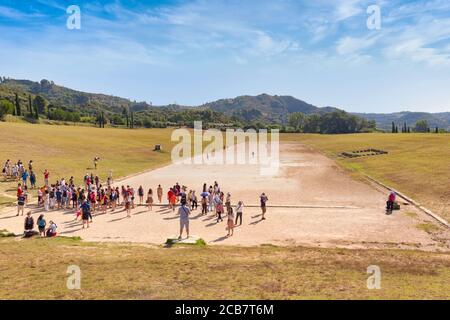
[335, 209]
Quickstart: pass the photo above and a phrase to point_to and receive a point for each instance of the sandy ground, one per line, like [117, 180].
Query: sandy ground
[333, 209]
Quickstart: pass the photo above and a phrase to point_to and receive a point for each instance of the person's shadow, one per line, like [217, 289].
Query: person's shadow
[220, 239]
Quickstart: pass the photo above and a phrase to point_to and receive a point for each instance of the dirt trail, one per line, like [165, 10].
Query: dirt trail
[336, 210]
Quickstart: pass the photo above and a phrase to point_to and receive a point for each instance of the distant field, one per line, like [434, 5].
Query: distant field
[142, 272]
[417, 164]
[69, 150]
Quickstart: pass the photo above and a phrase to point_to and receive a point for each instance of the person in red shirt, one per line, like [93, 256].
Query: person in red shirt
[46, 175]
[172, 199]
[390, 202]
[19, 190]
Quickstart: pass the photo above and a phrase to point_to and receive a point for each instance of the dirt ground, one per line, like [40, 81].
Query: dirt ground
[311, 202]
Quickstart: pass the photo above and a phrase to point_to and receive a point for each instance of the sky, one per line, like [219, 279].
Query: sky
[325, 52]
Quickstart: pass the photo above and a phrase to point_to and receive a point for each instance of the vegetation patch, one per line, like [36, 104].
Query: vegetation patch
[5, 234]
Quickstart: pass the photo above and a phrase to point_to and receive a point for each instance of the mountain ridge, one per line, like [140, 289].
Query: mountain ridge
[263, 107]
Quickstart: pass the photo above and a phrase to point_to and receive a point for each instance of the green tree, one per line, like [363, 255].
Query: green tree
[421, 126]
[17, 103]
[40, 104]
[6, 107]
[297, 120]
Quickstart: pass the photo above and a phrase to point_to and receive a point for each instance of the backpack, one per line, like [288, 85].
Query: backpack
[29, 223]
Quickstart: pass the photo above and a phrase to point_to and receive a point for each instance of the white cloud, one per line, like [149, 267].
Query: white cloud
[347, 8]
[351, 45]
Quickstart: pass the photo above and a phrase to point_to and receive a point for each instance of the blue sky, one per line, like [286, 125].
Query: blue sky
[191, 52]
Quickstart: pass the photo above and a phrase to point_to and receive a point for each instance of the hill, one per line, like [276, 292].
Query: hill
[244, 110]
[274, 109]
[384, 121]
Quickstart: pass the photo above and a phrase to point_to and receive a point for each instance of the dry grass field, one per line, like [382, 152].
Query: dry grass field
[36, 269]
[417, 164]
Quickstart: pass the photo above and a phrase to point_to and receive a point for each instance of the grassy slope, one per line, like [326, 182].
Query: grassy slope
[139, 272]
[69, 150]
[417, 164]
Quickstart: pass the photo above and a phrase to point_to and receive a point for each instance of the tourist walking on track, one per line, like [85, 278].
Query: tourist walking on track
[263, 199]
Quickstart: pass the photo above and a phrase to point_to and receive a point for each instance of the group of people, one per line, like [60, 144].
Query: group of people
[19, 172]
[92, 196]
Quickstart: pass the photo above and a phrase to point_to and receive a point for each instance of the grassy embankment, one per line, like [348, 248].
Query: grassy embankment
[112, 271]
[69, 151]
[417, 164]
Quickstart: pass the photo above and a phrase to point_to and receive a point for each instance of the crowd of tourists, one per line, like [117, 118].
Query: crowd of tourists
[93, 197]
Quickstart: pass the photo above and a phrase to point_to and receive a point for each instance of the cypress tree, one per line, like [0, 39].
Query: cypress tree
[36, 113]
[18, 111]
[30, 107]
[393, 127]
[132, 120]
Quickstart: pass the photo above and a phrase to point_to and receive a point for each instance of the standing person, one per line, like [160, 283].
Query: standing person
[25, 177]
[40, 194]
[30, 165]
[228, 200]
[132, 193]
[47, 200]
[85, 213]
[159, 192]
[204, 196]
[141, 195]
[184, 213]
[210, 199]
[172, 199]
[239, 211]
[219, 208]
[25, 194]
[32, 179]
[46, 175]
[20, 204]
[127, 200]
[390, 202]
[96, 162]
[230, 221]
[194, 200]
[41, 223]
[263, 199]
[150, 199]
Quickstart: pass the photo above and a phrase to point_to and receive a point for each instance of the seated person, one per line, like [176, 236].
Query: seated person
[29, 226]
[51, 231]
